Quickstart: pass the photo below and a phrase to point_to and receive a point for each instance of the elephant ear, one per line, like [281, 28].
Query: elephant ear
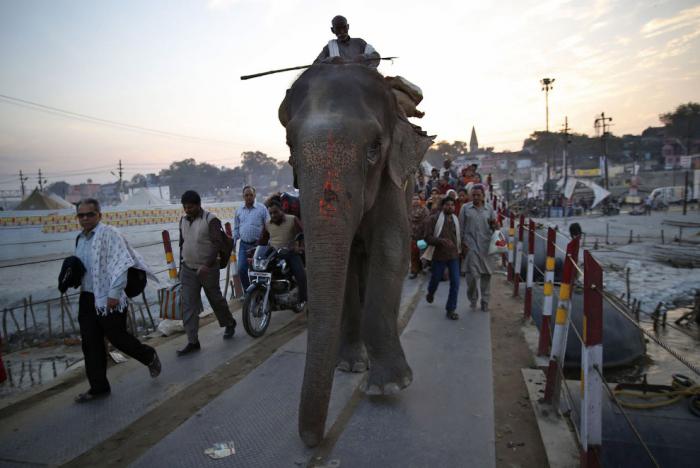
[283, 115]
[408, 146]
[283, 111]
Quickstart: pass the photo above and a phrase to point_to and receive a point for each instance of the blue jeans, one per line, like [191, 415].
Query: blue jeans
[243, 264]
[438, 268]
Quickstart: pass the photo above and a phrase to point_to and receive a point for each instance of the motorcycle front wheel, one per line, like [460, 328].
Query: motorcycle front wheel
[255, 319]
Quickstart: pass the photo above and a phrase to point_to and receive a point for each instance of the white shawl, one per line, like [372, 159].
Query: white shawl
[111, 256]
[334, 50]
[428, 254]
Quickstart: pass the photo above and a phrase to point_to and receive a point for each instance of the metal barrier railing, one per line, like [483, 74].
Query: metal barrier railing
[552, 342]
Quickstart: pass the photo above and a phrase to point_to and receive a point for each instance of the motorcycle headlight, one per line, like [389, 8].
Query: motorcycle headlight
[260, 263]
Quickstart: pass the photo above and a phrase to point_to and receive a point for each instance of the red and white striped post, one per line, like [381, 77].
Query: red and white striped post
[3, 373]
[545, 340]
[518, 257]
[511, 245]
[227, 229]
[530, 269]
[561, 325]
[591, 357]
[169, 259]
[236, 286]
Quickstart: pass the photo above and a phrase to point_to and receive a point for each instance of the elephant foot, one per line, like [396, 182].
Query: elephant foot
[387, 380]
[353, 358]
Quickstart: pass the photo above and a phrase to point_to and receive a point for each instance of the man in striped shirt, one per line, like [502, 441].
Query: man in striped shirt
[248, 225]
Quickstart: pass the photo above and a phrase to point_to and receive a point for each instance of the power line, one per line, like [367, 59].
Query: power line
[42, 181]
[98, 120]
[22, 179]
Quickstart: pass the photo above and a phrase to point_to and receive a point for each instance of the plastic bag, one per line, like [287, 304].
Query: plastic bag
[168, 327]
[498, 244]
[170, 300]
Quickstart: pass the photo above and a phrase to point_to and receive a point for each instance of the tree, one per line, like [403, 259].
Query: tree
[285, 175]
[683, 123]
[138, 180]
[442, 150]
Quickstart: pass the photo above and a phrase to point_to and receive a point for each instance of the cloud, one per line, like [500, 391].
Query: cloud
[683, 19]
[681, 44]
[221, 4]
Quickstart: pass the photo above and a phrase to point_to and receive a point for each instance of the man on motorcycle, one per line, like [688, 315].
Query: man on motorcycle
[281, 231]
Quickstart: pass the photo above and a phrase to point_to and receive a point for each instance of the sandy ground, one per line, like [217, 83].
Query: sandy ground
[518, 441]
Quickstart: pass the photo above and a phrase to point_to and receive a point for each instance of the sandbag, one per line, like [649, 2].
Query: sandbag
[406, 104]
[402, 84]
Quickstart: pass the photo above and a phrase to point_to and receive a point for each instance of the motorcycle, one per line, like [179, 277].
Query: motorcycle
[610, 209]
[272, 287]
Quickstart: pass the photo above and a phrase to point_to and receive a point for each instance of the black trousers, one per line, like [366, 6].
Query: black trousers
[297, 267]
[94, 328]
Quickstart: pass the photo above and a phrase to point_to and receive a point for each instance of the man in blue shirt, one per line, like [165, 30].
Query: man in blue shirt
[248, 224]
[102, 307]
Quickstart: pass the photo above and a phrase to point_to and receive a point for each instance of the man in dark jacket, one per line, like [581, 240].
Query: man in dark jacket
[442, 235]
[200, 244]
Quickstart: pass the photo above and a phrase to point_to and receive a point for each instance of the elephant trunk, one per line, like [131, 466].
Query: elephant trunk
[327, 259]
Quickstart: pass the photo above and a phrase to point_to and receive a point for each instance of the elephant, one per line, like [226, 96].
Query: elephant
[353, 159]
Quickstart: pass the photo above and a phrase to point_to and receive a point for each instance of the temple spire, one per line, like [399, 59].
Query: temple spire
[473, 142]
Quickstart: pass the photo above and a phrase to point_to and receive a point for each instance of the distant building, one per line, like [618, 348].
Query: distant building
[78, 192]
[109, 194]
[473, 142]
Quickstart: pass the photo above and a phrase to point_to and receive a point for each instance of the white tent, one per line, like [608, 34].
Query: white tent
[143, 197]
[599, 192]
[60, 201]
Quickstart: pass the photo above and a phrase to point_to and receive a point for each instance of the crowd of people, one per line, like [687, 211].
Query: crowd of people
[103, 260]
[451, 228]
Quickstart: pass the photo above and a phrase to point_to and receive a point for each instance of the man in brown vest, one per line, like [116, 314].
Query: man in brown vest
[280, 231]
[200, 238]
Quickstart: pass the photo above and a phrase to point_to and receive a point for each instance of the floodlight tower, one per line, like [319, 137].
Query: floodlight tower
[547, 84]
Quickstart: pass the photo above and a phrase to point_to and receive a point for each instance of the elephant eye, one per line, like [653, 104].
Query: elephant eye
[374, 151]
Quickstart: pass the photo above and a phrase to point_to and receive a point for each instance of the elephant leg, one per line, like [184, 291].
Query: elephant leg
[353, 355]
[387, 266]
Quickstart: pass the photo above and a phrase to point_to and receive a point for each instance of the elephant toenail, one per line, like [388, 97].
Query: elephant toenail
[344, 366]
[391, 389]
[359, 367]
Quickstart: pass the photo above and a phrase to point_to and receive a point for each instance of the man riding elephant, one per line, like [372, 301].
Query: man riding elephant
[353, 49]
[346, 48]
[353, 157]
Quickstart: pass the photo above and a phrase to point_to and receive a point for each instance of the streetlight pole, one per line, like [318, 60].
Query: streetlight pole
[603, 121]
[565, 153]
[547, 84]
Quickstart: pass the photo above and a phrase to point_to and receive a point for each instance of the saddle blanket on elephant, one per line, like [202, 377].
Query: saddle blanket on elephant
[408, 95]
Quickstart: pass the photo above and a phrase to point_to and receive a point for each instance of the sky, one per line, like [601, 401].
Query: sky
[174, 67]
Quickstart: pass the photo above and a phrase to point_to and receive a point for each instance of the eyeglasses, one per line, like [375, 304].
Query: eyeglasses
[89, 214]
